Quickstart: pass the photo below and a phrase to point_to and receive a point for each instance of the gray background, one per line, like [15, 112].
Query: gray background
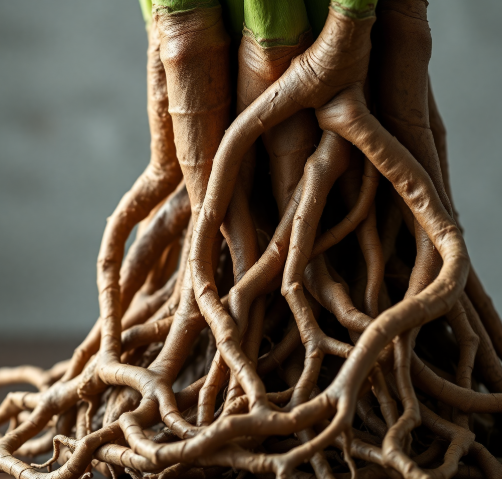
[74, 136]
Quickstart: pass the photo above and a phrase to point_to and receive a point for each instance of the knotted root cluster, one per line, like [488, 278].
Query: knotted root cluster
[298, 301]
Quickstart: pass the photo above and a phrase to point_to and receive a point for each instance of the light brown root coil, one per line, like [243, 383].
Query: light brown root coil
[298, 301]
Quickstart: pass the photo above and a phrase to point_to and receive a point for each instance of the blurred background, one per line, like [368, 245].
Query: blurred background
[74, 136]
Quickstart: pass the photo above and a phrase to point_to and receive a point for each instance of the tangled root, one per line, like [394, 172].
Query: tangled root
[321, 321]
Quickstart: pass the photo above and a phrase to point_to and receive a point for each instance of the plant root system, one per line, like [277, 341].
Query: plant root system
[298, 301]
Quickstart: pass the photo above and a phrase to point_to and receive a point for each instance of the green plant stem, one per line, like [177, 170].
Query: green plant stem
[355, 8]
[146, 10]
[277, 22]
[174, 6]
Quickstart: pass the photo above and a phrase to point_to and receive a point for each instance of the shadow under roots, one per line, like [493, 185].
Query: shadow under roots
[262, 202]
[437, 347]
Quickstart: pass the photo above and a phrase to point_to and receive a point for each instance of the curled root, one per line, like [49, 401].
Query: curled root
[299, 300]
